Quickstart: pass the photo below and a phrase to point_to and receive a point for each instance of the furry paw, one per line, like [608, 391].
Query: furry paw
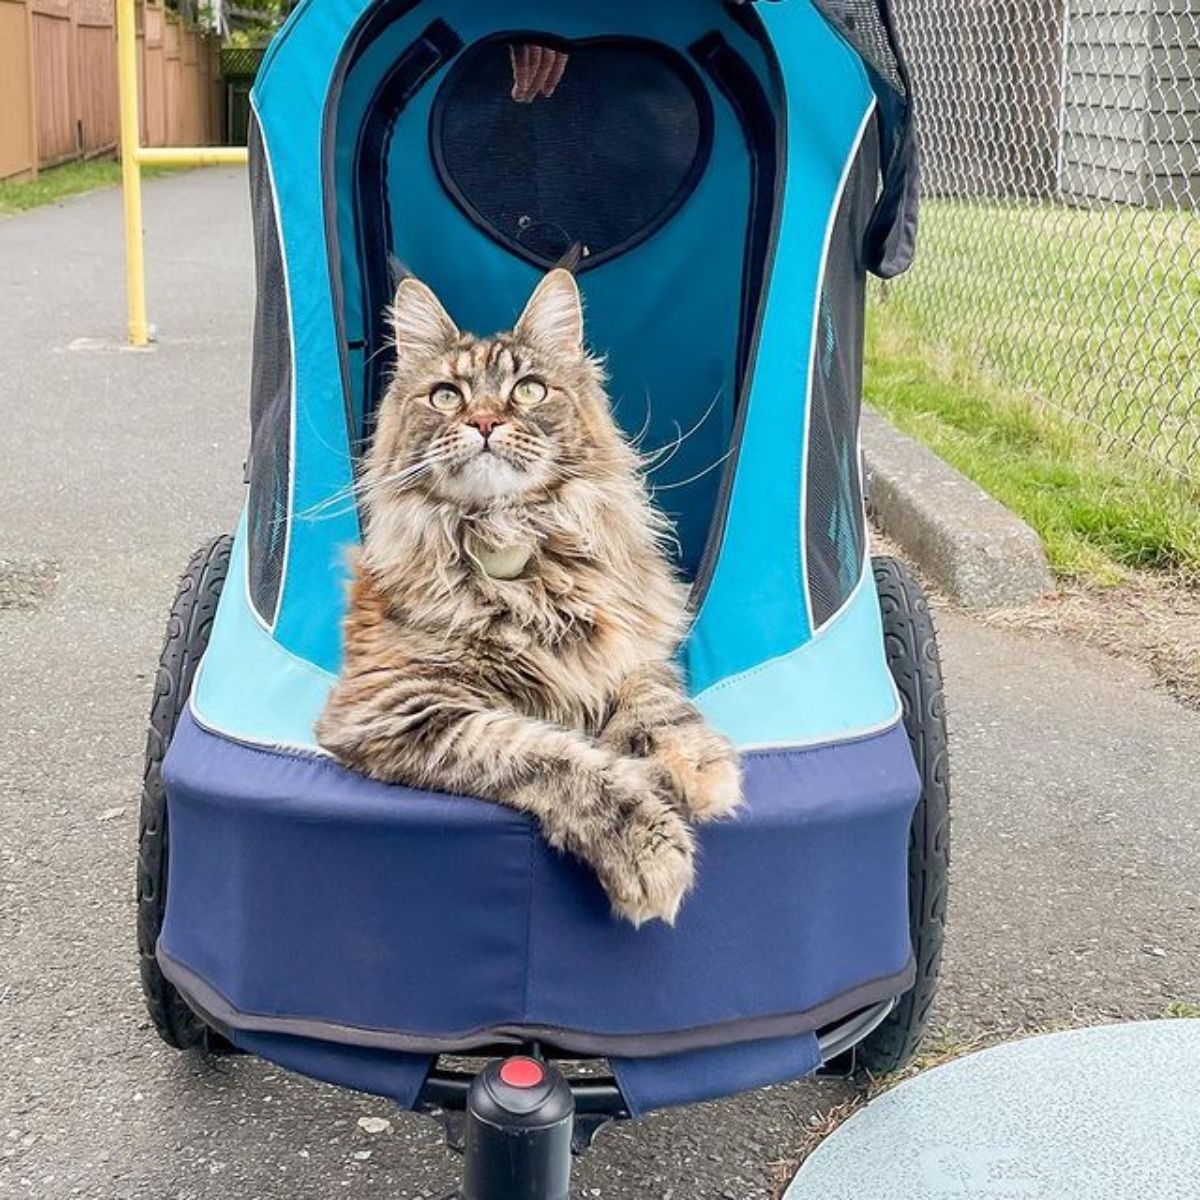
[703, 769]
[647, 865]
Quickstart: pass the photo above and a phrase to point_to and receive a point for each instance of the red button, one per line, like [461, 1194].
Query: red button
[522, 1072]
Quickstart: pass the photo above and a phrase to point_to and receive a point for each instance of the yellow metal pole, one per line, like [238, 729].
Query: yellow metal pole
[131, 175]
[192, 156]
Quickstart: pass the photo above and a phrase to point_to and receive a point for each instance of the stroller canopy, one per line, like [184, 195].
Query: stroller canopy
[726, 175]
[718, 167]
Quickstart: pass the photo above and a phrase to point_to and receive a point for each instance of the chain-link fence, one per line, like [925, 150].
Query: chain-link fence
[1060, 238]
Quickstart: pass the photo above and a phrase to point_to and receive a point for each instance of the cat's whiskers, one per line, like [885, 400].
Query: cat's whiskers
[319, 510]
[366, 488]
[636, 440]
[653, 460]
[678, 483]
[402, 479]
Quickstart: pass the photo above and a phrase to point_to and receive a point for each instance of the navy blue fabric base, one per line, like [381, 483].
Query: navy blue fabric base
[389, 1073]
[646, 1084]
[674, 1079]
[311, 905]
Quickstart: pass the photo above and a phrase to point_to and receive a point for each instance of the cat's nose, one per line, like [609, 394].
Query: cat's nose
[485, 423]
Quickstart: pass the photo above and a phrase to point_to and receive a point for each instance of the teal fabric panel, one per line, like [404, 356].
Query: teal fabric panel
[755, 608]
[250, 687]
[691, 359]
[669, 330]
[834, 685]
[754, 611]
[357, 92]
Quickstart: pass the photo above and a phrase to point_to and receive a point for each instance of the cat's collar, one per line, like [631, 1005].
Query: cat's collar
[504, 562]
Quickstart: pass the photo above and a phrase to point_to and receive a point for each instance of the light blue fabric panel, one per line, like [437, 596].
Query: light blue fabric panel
[290, 99]
[249, 686]
[755, 608]
[834, 685]
[253, 689]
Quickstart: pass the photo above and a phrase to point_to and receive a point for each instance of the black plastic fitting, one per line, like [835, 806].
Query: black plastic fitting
[517, 1142]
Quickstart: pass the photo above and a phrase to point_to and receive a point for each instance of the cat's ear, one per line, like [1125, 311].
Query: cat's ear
[420, 325]
[553, 318]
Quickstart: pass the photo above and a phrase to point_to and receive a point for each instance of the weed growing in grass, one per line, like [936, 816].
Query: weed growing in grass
[1181, 1008]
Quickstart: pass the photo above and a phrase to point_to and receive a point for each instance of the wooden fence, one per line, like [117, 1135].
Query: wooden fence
[58, 82]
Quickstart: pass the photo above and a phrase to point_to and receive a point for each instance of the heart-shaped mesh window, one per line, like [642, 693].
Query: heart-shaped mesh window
[597, 164]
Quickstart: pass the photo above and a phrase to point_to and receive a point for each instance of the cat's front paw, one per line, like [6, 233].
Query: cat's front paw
[647, 864]
[703, 768]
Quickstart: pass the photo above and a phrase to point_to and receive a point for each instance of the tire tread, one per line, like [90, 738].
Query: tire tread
[188, 630]
[910, 642]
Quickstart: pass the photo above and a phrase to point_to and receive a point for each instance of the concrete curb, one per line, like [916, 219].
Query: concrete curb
[972, 547]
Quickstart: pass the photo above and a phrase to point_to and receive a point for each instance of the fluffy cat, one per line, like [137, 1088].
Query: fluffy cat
[513, 620]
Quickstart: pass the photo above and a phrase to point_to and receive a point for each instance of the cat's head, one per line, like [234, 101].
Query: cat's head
[485, 422]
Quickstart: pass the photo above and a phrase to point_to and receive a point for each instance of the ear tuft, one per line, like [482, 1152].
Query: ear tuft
[420, 325]
[553, 318]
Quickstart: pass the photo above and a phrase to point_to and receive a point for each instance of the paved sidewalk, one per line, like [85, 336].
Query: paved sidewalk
[1077, 832]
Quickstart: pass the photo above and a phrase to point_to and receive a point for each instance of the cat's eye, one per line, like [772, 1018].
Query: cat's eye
[445, 398]
[529, 392]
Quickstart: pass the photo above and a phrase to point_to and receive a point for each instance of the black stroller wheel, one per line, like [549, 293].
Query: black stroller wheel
[188, 629]
[912, 654]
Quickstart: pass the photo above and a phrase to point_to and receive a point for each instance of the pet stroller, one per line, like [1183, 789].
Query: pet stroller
[725, 175]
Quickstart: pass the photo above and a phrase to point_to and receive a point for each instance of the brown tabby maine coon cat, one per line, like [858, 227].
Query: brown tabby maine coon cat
[513, 620]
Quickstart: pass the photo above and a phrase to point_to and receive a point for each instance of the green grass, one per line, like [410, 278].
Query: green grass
[58, 183]
[1094, 311]
[1099, 514]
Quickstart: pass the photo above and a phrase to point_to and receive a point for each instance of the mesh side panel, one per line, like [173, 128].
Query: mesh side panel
[600, 164]
[270, 396]
[834, 538]
[865, 26]
[869, 27]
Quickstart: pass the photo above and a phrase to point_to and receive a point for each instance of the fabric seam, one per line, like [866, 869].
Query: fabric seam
[758, 668]
[697, 1037]
[321, 757]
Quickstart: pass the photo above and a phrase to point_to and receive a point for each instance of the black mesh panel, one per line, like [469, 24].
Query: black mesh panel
[270, 396]
[834, 510]
[600, 164]
[866, 26]
[891, 234]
